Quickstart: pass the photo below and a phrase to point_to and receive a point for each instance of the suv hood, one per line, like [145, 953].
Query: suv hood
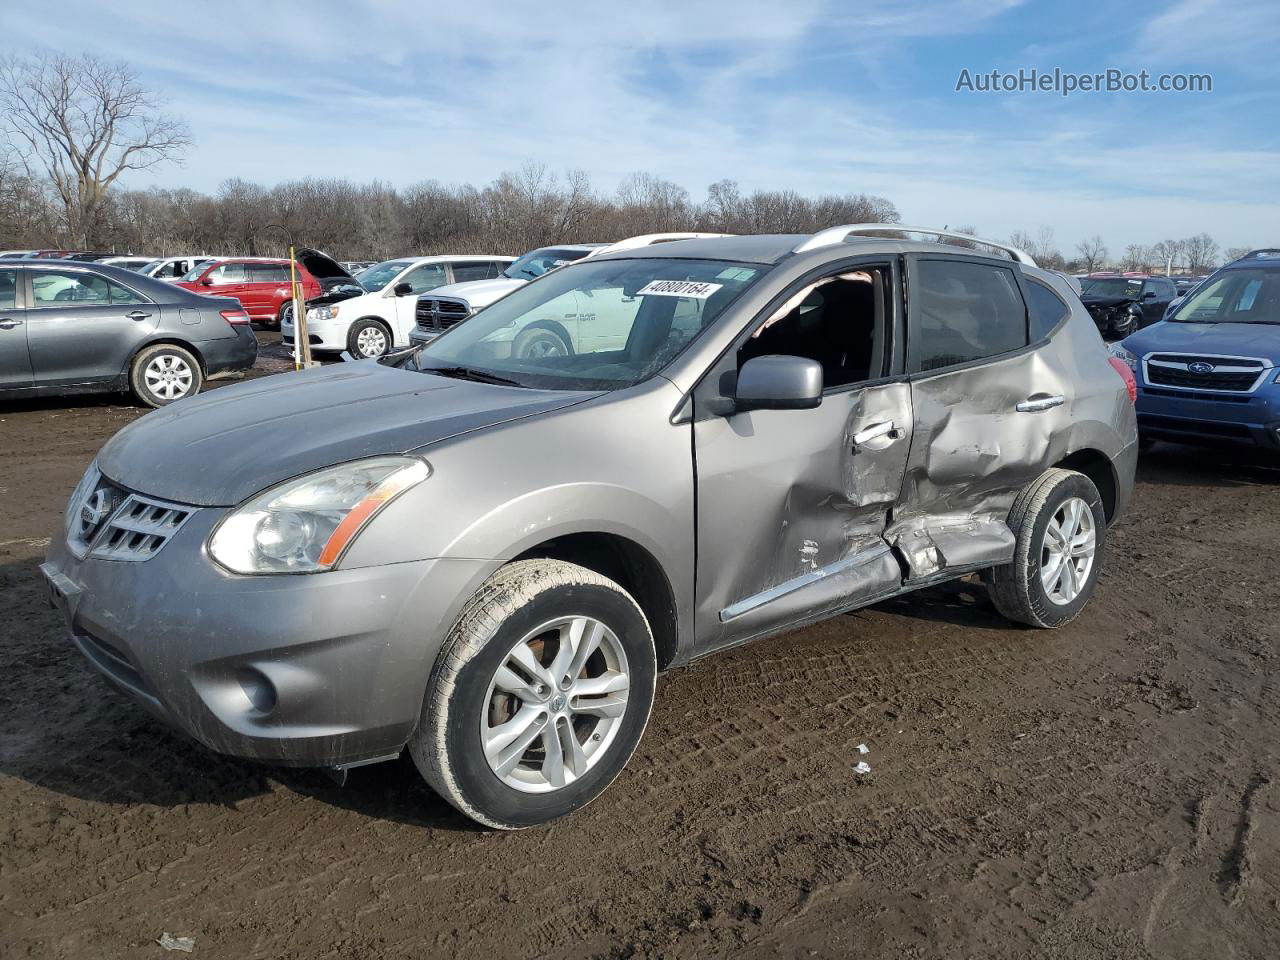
[1089, 301]
[477, 293]
[1227, 339]
[222, 447]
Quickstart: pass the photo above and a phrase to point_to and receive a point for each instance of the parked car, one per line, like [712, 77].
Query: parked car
[489, 558]
[15, 254]
[1121, 305]
[127, 263]
[354, 267]
[382, 313]
[172, 269]
[1208, 373]
[70, 327]
[261, 284]
[449, 305]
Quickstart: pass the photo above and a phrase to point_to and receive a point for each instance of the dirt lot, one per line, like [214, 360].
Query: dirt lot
[1108, 790]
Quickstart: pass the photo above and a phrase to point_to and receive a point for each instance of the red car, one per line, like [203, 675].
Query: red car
[261, 284]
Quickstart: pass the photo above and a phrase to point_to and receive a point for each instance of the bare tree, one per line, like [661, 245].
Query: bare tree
[1093, 253]
[84, 122]
[1235, 253]
[1168, 253]
[1136, 257]
[1202, 253]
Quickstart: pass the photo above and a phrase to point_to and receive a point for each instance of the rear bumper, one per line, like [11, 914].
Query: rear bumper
[229, 355]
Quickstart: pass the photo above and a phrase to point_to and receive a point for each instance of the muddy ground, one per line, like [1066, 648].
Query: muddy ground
[1108, 790]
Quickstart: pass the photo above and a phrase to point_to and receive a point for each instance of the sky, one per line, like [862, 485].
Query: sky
[819, 97]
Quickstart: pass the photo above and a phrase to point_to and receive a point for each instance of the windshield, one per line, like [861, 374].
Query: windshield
[538, 262]
[1112, 287]
[1236, 296]
[380, 274]
[599, 325]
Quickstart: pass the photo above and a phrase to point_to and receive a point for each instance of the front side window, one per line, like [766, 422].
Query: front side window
[426, 277]
[598, 325]
[226, 273]
[1234, 296]
[838, 321]
[961, 312]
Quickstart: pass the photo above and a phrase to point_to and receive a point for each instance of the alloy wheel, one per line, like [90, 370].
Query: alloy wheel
[371, 342]
[555, 705]
[168, 376]
[1066, 554]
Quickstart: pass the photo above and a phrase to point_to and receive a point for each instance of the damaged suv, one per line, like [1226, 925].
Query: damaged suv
[488, 557]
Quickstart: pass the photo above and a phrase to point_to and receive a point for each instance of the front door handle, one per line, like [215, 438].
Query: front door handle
[8, 323]
[876, 431]
[137, 315]
[1040, 401]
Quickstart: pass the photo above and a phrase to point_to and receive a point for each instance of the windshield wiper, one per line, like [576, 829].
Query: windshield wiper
[471, 373]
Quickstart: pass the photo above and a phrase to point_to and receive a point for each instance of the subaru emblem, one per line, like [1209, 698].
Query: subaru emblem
[1200, 367]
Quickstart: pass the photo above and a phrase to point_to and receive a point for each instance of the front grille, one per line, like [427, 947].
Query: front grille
[1203, 428]
[1184, 371]
[1204, 397]
[109, 523]
[437, 315]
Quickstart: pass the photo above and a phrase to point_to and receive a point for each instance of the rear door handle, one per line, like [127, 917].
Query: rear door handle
[8, 323]
[1041, 401]
[137, 315]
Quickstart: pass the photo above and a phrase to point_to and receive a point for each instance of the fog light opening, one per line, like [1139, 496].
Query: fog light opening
[260, 692]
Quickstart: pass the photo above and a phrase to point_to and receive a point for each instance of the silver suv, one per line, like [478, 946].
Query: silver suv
[489, 556]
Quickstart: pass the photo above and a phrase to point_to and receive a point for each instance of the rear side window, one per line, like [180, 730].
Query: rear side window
[78, 289]
[266, 273]
[472, 270]
[1045, 309]
[962, 312]
[8, 289]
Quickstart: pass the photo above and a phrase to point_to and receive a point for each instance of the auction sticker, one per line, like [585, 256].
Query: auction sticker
[695, 289]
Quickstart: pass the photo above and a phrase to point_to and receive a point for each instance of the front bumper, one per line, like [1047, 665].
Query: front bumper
[328, 335]
[1241, 419]
[310, 670]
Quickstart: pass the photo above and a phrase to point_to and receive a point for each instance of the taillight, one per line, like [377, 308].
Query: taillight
[235, 317]
[1130, 381]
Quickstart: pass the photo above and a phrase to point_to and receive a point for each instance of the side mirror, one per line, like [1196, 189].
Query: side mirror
[402, 289]
[779, 383]
[206, 282]
[1149, 295]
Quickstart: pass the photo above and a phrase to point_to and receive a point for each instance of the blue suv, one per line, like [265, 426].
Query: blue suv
[1208, 372]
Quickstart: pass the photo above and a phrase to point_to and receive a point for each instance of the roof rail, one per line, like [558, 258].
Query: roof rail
[834, 235]
[648, 239]
[1261, 253]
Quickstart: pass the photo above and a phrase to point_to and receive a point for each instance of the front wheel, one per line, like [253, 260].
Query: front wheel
[165, 373]
[368, 339]
[1061, 527]
[539, 697]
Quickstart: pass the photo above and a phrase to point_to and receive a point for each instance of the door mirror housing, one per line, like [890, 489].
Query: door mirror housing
[1149, 295]
[402, 289]
[779, 383]
[206, 282]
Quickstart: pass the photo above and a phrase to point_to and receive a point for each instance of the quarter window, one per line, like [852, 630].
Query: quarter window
[962, 312]
[1046, 309]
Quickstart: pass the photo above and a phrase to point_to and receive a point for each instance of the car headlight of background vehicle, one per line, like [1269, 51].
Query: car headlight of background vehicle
[329, 312]
[305, 525]
[1125, 357]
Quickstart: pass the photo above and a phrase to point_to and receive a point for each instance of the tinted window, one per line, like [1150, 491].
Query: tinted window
[963, 312]
[227, 273]
[472, 270]
[8, 289]
[424, 278]
[838, 321]
[266, 273]
[1046, 309]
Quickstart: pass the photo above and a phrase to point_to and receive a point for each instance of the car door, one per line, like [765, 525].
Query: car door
[266, 287]
[420, 279]
[83, 327]
[793, 504]
[228, 280]
[15, 357]
[1153, 307]
[987, 405]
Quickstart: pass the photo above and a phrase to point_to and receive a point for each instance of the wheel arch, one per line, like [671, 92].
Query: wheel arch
[632, 567]
[1097, 466]
[554, 326]
[171, 341]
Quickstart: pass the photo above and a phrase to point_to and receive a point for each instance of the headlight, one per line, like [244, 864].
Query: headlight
[305, 525]
[322, 313]
[1125, 357]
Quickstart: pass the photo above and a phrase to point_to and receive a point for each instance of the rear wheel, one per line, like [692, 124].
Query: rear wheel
[1061, 528]
[368, 339]
[540, 695]
[164, 373]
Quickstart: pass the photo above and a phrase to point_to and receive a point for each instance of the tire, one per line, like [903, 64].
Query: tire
[368, 335]
[525, 600]
[1018, 588]
[164, 373]
[534, 343]
[283, 314]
